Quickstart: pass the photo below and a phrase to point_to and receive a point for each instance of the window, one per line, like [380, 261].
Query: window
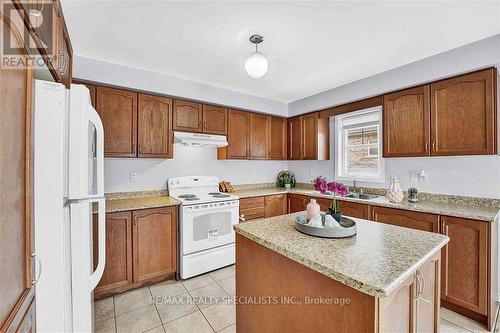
[359, 146]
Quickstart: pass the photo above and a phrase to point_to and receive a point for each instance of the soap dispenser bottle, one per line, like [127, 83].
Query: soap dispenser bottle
[313, 209]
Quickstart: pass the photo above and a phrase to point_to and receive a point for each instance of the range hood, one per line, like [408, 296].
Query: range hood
[200, 140]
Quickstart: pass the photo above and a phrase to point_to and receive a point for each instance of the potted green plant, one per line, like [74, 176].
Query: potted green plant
[287, 182]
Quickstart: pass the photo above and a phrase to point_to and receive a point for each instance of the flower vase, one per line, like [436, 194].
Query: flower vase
[394, 193]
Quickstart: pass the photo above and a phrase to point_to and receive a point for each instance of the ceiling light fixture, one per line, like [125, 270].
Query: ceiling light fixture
[256, 64]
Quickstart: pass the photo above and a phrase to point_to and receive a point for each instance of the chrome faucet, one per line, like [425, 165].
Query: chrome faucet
[354, 187]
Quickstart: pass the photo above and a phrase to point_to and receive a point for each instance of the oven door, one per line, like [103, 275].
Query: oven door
[207, 226]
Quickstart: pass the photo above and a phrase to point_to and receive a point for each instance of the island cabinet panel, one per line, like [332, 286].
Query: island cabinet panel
[275, 205]
[154, 126]
[118, 111]
[154, 243]
[262, 274]
[463, 114]
[397, 310]
[464, 283]
[187, 116]
[277, 138]
[295, 142]
[405, 218]
[118, 269]
[354, 209]
[406, 122]
[16, 167]
[297, 203]
[237, 136]
[214, 119]
[259, 136]
[427, 296]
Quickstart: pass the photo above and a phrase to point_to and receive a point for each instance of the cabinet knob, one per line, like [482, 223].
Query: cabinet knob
[133, 148]
[37, 260]
[426, 146]
[433, 145]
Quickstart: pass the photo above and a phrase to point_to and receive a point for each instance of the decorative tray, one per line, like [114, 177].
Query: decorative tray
[348, 228]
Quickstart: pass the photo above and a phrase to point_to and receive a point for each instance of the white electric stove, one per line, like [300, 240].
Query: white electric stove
[206, 222]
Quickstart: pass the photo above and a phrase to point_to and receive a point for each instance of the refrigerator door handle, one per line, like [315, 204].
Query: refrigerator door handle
[99, 150]
[101, 236]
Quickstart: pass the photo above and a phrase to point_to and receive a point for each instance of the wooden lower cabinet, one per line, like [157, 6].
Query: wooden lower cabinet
[275, 205]
[117, 274]
[141, 247]
[465, 274]
[154, 243]
[405, 218]
[297, 203]
[354, 209]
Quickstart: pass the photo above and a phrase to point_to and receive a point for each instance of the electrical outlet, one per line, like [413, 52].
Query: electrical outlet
[423, 176]
[133, 177]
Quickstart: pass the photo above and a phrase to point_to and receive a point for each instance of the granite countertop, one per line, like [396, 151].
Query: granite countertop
[469, 211]
[375, 261]
[120, 205]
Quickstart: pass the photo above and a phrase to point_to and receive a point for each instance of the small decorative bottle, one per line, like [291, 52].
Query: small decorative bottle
[313, 209]
[395, 193]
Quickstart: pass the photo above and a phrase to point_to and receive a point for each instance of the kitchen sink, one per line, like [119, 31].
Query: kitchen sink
[362, 196]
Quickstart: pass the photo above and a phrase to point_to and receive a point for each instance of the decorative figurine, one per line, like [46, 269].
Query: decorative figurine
[412, 194]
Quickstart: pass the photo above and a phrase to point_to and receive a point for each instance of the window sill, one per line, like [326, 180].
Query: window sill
[361, 180]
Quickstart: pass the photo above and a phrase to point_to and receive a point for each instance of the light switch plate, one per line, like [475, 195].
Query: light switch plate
[133, 177]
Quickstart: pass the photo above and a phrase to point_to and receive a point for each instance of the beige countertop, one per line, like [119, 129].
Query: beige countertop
[470, 211]
[375, 261]
[120, 205]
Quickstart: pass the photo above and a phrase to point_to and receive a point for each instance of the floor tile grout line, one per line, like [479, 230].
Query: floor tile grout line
[455, 324]
[226, 327]
[114, 314]
[208, 321]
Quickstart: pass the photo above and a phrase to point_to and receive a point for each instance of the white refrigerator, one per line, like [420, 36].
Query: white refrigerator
[68, 191]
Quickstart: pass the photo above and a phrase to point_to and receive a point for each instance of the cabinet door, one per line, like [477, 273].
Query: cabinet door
[463, 119]
[296, 203]
[154, 123]
[118, 269]
[275, 205]
[154, 244]
[258, 127]
[277, 138]
[396, 311]
[323, 203]
[214, 119]
[295, 141]
[427, 297]
[354, 209]
[16, 231]
[65, 53]
[310, 136]
[188, 116]
[406, 119]
[238, 135]
[118, 111]
[464, 272]
[404, 218]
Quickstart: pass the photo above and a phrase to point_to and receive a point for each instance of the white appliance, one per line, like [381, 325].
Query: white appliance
[206, 224]
[68, 188]
[200, 140]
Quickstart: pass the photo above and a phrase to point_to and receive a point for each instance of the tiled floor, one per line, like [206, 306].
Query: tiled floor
[200, 308]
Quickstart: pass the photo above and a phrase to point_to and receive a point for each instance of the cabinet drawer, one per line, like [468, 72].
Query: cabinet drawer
[246, 203]
[252, 213]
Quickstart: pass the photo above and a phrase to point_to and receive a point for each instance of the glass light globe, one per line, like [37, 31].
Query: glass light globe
[256, 65]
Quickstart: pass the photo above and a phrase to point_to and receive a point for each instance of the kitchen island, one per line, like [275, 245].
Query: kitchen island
[384, 279]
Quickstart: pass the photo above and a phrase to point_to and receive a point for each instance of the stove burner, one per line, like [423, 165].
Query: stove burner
[214, 193]
[220, 195]
[187, 196]
[191, 199]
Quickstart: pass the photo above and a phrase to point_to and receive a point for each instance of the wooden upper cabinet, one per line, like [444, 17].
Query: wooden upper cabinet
[238, 135]
[16, 167]
[154, 243]
[118, 269]
[295, 141]
[259, 136]
[118, 111]
[277, 138]
[463, 114]
[154, 126]
[464, 268]
[188, 116]
[310, 136]
[214, 119]
[405, 218]
[406, 121]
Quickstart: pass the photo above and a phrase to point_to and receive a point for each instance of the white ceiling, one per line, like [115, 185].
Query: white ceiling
[311, 46]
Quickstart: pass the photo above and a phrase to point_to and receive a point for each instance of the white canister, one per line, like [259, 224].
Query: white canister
[394, 193]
